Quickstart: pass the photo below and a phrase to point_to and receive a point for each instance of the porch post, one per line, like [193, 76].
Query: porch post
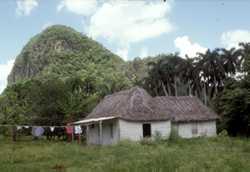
[100, 132]
[87, 134]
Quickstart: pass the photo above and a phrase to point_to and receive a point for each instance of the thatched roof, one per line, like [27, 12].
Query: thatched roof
[185, 108]
[136, 104]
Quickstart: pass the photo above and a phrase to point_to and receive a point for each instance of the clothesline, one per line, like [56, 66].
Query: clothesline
[39, 130]
[77, 128]
[62, 126]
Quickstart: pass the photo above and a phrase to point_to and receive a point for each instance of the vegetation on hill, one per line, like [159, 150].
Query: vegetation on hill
[58, 77]
[61, 51]
[215, 154]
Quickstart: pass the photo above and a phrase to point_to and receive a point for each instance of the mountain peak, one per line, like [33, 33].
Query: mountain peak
[55, 48]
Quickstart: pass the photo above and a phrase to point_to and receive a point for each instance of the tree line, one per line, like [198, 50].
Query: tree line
[203, 76]
[54, 100]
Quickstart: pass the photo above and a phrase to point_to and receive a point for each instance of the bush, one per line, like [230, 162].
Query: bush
[223, 133]
[174, 134]
[5, 131]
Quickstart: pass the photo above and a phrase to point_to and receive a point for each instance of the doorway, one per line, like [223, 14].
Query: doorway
[146, 128]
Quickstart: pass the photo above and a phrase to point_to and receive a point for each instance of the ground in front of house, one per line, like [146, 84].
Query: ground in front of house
[202, 154]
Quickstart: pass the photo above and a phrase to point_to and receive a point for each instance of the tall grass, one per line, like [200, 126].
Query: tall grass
[202, 154]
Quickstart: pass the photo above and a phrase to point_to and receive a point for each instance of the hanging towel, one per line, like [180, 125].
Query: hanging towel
[78, 129]
[52, 129]
[37, 131]
[69, 130]
[19, 127]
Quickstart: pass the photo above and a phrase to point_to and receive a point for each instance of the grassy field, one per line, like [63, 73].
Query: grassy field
[214, 154]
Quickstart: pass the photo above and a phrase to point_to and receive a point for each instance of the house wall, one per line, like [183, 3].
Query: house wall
[133, 130]
[123, 130]
[93, 134]
[186, 130]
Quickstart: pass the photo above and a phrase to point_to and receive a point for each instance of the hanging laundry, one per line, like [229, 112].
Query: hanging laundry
[69, 129]
[37, 131]
[70, 133]
[78, 129]
[19, 127]
[52, 129]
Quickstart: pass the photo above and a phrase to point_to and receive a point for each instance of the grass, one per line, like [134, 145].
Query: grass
[214, 154]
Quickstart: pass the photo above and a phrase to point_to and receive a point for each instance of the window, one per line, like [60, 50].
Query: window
[111, 131]
[146, 130]
[92, 126]
[194, 129]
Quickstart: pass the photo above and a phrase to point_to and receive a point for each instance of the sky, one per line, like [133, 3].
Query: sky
[129, 28]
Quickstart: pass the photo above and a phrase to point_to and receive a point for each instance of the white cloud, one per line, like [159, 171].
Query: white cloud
[125, 22]
[144, 52]
[5, 69]
[80, 7]
[130, 21]
[123, 53]
[24, 7]
[187, 47]
[233, 38]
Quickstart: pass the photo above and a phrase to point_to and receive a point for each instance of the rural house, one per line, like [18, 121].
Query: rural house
[133, 114]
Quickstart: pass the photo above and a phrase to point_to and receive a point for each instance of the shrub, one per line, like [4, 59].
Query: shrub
[223, 133]
[5, 131]
[174, 134]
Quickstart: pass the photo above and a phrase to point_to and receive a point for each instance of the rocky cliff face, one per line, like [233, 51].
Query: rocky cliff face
[60, 50]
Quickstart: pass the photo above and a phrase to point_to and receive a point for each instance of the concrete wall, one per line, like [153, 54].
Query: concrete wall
[92, 134]
[188, 130]
[123, 130]
[133, 130]
[107, 138]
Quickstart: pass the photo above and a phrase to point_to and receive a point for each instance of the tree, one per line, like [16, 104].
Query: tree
[203, 76]
[166, 76]
[230, 60]
[234, 106]
[233, 103]
[211, 71]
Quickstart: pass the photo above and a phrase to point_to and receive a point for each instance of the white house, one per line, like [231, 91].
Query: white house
[133, 114]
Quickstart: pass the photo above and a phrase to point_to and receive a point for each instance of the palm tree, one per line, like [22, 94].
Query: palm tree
[166, 74]
[171, 74]
[186, 73]
[154, 80]
[244, 53]
[163, 75]
[211, 71]
[174, 67]
[230, 60]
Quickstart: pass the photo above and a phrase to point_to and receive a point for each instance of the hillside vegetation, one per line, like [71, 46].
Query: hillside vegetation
[215, 154]
[61, 51]
[59, 76]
